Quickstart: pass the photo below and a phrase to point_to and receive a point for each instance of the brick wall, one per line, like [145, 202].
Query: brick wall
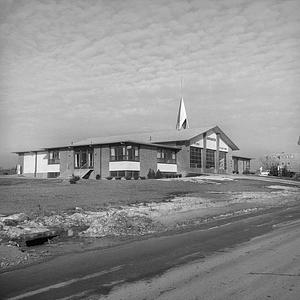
[147, 160]
[183, 160]
[104, 162]
[66, 162]
[229, 161]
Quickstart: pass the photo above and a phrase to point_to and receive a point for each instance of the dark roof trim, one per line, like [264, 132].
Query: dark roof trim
[153, 145]
[241, 157]
[29, 151]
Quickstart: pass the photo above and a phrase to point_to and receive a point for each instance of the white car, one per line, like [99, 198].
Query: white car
[264, 173]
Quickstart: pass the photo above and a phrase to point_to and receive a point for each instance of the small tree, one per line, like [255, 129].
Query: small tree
[269, 163]
[151, 174]
[285, 172]
[274, 170]
[158, 174]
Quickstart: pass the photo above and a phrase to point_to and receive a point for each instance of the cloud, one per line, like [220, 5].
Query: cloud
[102, 61]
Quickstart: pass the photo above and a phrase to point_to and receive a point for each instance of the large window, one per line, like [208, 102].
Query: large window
[53, 157]
[210, 158]
[84, 159]
[222, 160]
[124, 152]
[166, 156]
[195, 157]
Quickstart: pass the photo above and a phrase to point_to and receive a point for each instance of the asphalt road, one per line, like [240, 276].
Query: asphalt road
[267, 267]
[97, 272]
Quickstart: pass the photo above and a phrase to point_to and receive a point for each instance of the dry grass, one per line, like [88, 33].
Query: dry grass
[36, 196]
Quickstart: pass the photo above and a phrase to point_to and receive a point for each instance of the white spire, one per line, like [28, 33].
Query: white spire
[182, 121]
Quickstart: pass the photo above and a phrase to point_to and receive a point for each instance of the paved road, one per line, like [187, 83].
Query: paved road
[98, 271]
[268, 267]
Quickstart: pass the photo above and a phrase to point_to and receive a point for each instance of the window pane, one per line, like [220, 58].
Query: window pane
[91, 162]
[136, 152]
[210, 158]
[83, 158]
[195, 157]
[76, 160]
[158, 155]
[222, 160]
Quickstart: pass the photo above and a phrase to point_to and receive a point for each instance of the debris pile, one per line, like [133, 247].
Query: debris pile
[119, 223]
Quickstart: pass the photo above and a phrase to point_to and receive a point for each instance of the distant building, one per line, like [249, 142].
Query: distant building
[289, 160]
[175, 152]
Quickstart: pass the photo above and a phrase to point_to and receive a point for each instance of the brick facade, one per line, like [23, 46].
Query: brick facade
[148, 160]
[97, 165]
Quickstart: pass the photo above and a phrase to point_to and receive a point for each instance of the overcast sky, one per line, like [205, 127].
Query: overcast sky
[75, 69]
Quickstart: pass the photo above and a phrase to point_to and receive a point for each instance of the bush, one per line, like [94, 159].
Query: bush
[98, 177]
[109, 178]
[151, 174]
[142, 177]
[285, 172]
[158, 174]
[74, 179]
[274, 170]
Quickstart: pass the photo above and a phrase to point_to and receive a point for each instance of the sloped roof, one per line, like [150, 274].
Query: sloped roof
[146, 137]
[154, 137]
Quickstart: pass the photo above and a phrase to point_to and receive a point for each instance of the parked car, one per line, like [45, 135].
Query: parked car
[264, 173]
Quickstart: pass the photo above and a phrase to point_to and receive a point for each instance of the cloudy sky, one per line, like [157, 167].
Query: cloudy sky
[74, 69]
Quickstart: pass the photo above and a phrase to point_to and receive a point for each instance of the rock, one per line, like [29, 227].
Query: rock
[70, 232]
[10, 222]
[14, 220]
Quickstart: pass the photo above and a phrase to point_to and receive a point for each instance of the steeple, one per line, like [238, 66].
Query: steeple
[182, 121]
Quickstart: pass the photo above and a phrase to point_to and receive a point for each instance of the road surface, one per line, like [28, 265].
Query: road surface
[270, 270]
[268, 267]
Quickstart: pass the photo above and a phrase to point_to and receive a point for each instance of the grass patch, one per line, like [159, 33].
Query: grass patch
[38, 195]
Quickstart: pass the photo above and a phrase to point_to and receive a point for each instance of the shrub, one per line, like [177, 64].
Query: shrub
[109, 178]
[98, 176]
[246, 172]
[74, 179]
[151, 174]
[158, 174]
[274, 170]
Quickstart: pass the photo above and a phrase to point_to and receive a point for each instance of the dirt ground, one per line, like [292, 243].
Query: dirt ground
[103, 213]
